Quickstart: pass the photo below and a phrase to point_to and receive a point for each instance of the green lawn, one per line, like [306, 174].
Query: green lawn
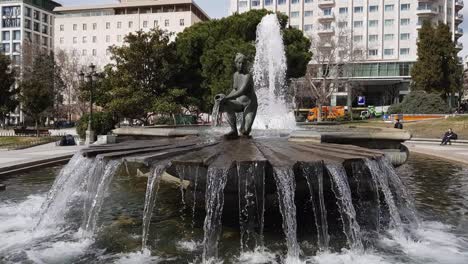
[428, 129]
[24, 142]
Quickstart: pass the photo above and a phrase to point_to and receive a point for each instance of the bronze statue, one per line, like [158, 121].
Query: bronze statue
[242, 99]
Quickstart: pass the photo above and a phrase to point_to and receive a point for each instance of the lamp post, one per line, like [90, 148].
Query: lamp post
[90, 78]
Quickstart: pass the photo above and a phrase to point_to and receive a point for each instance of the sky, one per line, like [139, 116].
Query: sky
[220, 8]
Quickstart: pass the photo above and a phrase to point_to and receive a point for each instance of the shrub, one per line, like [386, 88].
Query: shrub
[103, 123]
[420, 102]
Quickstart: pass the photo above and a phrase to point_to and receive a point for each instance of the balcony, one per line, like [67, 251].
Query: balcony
[326, 3]
[426, 11]
[326, 17]
[326, 30]
[458, 18]
[458, 32]
[458, 4]
[459, 45]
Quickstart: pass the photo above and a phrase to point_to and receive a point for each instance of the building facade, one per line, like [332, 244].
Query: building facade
[25, 23]
[387, 31]
[87, 32]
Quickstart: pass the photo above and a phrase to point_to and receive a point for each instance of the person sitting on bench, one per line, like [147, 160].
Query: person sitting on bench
[449, 135]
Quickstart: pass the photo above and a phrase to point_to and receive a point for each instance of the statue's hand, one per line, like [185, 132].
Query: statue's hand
[220, 97]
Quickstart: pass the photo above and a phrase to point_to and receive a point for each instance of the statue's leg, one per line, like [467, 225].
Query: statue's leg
[250, 113]
[231, 108]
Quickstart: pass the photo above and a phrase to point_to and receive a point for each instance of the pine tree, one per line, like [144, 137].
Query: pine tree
[8, 92]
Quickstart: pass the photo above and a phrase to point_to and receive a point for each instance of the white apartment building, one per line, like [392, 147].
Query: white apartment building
[86, 32]
[386, 29]
[24, 23]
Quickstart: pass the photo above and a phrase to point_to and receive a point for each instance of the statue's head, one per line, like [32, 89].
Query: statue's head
[240, 62]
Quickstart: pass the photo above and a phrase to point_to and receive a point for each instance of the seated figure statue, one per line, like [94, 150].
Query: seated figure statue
[242, 99]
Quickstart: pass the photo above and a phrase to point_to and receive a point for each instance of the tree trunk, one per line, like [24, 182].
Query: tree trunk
[174, 119]
[319, 112]
[350, 101]
[37, 128]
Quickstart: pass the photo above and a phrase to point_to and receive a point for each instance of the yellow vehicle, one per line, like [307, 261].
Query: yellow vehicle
[328, 113]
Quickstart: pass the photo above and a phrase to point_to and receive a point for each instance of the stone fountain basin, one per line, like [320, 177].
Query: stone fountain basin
[249, 164]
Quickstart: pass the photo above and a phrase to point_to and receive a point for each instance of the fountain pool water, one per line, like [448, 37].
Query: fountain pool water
[441, 197]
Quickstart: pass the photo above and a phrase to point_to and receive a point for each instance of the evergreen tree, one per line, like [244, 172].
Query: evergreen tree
[437, 68]
[8, 92]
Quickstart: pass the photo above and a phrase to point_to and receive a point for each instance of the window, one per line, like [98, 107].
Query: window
[85, 26]
[308, 1]
[156, 23]
[389, 8]
[182, 22]
[36, 26]
[119, 38]
[94, 52]
[373, 52]
[166, 22]
[45, 29]
[16, 35]
[5, 35]
[358, 9]
[107, 38]
[75, 40]
[255, 2]
[75, 27]
[6, 47]
[388, 52]
[327, 11]
[145, 24]
[107, 25]
[404, 36]
[94, 39]
[281, 2]
[373, 23]
[343, 24]
[294, 2]
[388, 22]
[373, 8]
[295, 14]
[94, 26]
[268, 2]
[404, 51]
[84, 40]
[343, 10]
[308, 27]
[27, 11]
[119, 24]
[373, 38]
[388, 37]
[405, 7]
[130, 24]
[61, 40]
[27, 23]
[357, 38]
[84, 52]
[308, 13]
[16, 47]
[62, 27]
[357, 24]
[405, 21]
[45, 18]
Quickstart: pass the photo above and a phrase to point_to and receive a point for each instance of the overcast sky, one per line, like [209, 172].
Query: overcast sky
[219, 8]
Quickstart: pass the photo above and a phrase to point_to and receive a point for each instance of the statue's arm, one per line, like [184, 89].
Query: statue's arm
[243, 89]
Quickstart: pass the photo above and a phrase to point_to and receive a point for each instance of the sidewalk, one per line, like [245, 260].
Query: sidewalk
[16, 160]
[455, 153]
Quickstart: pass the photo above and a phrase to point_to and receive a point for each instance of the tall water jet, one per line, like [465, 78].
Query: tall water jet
[269, 76]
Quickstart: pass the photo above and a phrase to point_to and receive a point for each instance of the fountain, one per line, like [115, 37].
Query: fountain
[342, 194]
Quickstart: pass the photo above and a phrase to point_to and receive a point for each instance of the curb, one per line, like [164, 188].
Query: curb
[29, 165]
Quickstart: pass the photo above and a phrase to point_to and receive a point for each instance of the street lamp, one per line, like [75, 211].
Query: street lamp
[90, 78]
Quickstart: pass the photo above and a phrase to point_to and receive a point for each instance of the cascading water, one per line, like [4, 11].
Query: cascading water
[345, 203]
[97, 185]
[286, 185]
[64, 190]
[314, 177]
[269, 76]
[152, 187]
[214, 203]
